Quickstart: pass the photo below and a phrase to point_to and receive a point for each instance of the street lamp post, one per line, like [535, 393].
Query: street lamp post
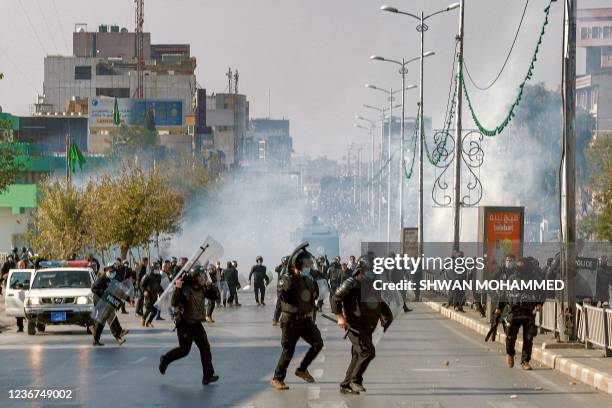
[421, 28]
[403, 71]
[370, 130]
[382, 136]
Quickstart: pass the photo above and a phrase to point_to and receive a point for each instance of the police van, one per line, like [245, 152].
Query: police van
[59, 296]
[323, 240]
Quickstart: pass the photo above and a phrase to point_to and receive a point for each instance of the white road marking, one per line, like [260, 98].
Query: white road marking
[141, 359]
[110, 373]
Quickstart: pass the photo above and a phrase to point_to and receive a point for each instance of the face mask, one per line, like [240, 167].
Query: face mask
[112, 275]
[509, 264]
[305, 271]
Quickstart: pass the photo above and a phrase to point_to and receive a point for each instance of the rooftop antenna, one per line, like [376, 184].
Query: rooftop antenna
[229, 80]
[236, 77]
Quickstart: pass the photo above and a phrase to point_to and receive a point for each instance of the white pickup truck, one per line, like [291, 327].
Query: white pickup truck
[59, 296]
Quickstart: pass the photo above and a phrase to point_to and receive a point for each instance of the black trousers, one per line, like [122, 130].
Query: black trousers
[292, 331]
[189, 333]
[210, 308]
[150, 310]
[233, 295]
[140, 304]
[260, 289]
[20, 323]
[277, 309]
[362, 353]
[528, 325]
[115, 328]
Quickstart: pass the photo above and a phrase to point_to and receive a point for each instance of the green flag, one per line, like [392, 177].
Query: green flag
[116, 114]
[75, 157]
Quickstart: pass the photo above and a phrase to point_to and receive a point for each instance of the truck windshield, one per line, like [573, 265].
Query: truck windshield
[61, 279]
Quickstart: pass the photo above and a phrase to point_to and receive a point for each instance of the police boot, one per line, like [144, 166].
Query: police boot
[358, 387]
[278, 384]
[510, 360]
[525, 366]
[211, 379]
[304, 375]
[162, 365]
[348, 390]
[97, 343]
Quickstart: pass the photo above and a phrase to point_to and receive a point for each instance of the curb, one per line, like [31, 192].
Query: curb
[565, 365]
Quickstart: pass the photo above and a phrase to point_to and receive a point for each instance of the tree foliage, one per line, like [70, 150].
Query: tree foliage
[124, 209]
[128, 140]
[10, 166]
[599, 156]
[61, 221]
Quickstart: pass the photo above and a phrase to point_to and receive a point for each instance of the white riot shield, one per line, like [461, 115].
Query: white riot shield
[209, 251]
[115, 295]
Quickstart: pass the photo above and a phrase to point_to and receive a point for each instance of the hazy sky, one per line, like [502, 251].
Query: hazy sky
[312, 55]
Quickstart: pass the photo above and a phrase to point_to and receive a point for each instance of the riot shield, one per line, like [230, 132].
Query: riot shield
[115, 295]
[209, 251]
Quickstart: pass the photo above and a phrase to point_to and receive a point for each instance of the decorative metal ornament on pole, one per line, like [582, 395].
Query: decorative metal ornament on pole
[458, 142]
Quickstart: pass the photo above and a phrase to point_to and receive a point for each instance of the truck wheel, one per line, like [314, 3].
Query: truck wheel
[40, 327]
[31, 328]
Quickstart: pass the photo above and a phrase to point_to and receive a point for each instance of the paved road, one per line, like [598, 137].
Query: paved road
[423, 361]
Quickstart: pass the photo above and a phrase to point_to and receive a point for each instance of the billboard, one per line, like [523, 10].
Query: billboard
[501, 231]
[168, 112]
[410, 242]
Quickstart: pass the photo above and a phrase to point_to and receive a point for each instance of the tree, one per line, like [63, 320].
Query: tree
[128, 140]
[62, 220]
[10, 166]
[599, 156]
[137, 204]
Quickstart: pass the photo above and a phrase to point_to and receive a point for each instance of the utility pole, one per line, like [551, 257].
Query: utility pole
[458, 135]
[421, 28]
[403, 71]
[389, 170]
[567, 313]
[139, 48]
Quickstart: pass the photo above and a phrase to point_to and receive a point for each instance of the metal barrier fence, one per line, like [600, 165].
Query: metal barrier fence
[594, 324]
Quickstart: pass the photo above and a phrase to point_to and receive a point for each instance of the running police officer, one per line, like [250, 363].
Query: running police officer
[188, 301]
[98, 288]
[298, 293]
[358, 306]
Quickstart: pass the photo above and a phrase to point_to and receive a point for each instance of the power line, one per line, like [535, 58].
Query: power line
[48, 27]
[42, 47]
[59, 23]
[484, 88]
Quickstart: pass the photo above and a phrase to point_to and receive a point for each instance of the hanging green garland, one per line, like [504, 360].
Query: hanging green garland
[500, 128]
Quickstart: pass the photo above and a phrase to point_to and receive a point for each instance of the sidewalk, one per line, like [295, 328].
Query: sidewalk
[586, 366]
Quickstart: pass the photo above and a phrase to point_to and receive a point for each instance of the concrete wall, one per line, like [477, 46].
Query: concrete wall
[109, 45]
[60, 86]
[11, 225]
[604, 103]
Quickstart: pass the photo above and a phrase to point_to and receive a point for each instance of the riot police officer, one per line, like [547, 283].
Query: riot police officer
[358, 306]
[188, 301]
[522, 307]
[298, 293]
[98, 288]
[260, 281]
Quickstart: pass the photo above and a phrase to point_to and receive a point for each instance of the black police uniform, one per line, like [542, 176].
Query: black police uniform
[98, 288]
[151, 283]
[278, 308]
[260, 282]
[140, 302]
[190, 312]
[298, 294]
[231, 278]
[363, 307]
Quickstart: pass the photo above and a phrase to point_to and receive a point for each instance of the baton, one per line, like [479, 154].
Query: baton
[336, 321]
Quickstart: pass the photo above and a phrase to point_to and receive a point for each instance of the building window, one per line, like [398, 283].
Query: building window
[606, 31]
[596, 33]
[82, 72]
[584, 33]
[113, 92]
